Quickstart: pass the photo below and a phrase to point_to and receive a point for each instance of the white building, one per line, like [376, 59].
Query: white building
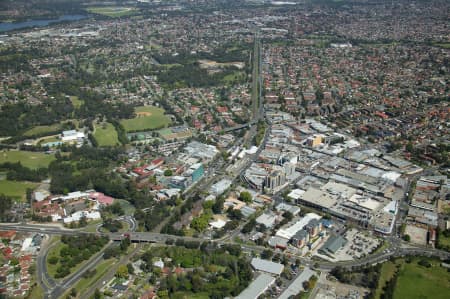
[72, 136]
[220, 187]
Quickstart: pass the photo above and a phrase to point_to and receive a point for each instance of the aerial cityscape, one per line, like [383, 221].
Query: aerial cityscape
[225, 149]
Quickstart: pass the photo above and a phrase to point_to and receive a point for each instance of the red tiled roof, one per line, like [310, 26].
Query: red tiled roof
[7, 234]
[102, 198]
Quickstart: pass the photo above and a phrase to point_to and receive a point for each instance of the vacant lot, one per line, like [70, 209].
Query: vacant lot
[17, 190]
[28, 159]
[416, 281]
[147, 118]
[106, 135]
[418, 235]
[112, 11]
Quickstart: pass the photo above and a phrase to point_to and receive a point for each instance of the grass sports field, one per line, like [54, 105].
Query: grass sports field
[112, 11]
[28, 159]
[415, 281]
[106, 135]
[17, 190]
[147, 118]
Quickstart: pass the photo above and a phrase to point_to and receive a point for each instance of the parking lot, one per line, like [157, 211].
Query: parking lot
[358, 245]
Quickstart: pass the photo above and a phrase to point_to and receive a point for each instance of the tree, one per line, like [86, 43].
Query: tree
[97, 294]
[200, 223]
[407, 238]
[73, 292]
[168, 172]
[234, 214]
[218, 206]
[122, 271]
[409, 147]
[266, 254]
[53, 260]
[245, 196]
[130, 268]
[306, 285]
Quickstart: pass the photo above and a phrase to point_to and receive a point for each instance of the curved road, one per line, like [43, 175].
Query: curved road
[55, 290]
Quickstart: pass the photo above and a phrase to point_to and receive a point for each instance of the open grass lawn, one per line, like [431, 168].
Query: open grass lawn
[235, 76]
[443, 240]
[112, 11]
[103, 267]
[36, 292]
[54, 251]
[126, 206]
[442, 45]
[106, 135]
[28, 159]
[40, 130]
[387, 271]
[49, 139]
[147, 118]
[17, 190]
[92, 226]
[419, 282]
[76, 102]
[184, 295]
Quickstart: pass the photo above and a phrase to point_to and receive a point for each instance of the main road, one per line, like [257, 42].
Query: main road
[395, 250]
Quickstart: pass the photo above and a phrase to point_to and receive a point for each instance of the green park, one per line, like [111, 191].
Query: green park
[106, 135]
[147, 118]
[31, 160]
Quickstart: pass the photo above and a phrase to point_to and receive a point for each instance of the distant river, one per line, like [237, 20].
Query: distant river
[39, 23]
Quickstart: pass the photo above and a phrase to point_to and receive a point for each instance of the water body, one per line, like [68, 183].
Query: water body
[39, 23]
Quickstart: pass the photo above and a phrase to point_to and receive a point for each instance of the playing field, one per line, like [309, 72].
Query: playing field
[41, 130]
[106, 135]
[112, 11]
[416, 281]
[147, 118]
[28, 159]
[17, 190]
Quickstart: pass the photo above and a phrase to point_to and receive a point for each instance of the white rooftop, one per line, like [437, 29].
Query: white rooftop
[365, 202]
[289, 232]
[257, 287]
[296, 193]
[267, 266]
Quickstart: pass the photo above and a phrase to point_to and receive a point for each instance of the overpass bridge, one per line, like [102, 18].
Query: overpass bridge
[240, 127]
[149, 237]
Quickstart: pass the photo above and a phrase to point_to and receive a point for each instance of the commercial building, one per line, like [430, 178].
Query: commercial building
[267, 266]
[297, 285]
[275, 179]
[267, 219]
[195, 172]
[333, 244]
[179, 182]
[290, 231]
[300, 239]
[220, 187]
[202, 151]
[257, 287]
[72, 136]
